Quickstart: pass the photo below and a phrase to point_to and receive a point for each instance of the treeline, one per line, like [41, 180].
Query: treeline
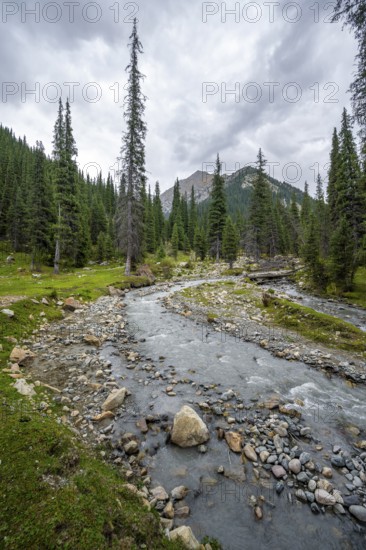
[335, 244]
[48, 207]
[51, 210]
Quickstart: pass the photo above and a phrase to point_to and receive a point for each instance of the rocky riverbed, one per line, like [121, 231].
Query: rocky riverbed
[253, 458]
[238, 315]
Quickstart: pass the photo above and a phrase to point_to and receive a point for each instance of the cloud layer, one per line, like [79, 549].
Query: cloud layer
[220, 77]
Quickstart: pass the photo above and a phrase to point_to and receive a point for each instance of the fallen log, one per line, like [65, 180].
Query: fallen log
[262, 275]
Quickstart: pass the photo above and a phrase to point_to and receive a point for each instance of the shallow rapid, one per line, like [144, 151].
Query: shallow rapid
[215, 363]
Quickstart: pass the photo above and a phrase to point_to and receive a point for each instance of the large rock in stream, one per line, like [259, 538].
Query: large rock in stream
[115, 399]
[185, 535]
[188, 428]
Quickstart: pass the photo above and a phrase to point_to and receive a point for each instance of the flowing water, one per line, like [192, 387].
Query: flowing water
[350, 313]
[181, 349]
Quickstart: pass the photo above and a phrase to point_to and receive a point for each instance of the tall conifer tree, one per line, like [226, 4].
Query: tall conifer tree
[131, 204]
[217, 212]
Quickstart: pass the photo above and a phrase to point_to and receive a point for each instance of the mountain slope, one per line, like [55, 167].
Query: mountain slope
[238, 189]
[201, 182]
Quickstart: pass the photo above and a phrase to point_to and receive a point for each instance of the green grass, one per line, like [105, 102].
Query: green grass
[313, 325]
[54, 492]
[88, 283]
[242, 292]
[234, 271]
[26, 319]
[316, 326]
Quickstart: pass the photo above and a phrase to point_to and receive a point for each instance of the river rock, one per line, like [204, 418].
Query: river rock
[23, 357]
[103, 416]
[357, 482]
[114, 399]
[258, 512]
[337, 495]
[272, 402]
[324, 484]
[338, 461]
[300, 495]
[131, 448]
[295, 466]
[234, 440]
[92, 340]
[264, 456]
[189, 429]
[290, 409]
[302, 477]
[339, 508]
[23, 388]
[142, 425]
[325, 498]
[250, 453]
[178, 493]
[159, 493]
[359, 512]
[351, 500]
[8, 312]
[71, 304]
[169, 510]
[304, 458]
[167, 523]
[113, 291]
[278, 471]
[312, 485]
[182, 512]
[327, 472]
[186, 535]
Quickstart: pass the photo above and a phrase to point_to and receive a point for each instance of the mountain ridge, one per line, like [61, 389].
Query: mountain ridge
[238, 185]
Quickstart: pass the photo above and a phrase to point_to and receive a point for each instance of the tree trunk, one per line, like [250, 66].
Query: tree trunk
[128, 266]
[129, 233]
[217, 250]
[56, 261]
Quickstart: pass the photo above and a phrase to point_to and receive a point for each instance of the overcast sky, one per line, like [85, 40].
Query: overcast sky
[287, 68]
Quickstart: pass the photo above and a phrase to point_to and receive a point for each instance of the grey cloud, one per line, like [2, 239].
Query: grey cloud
[182, 52]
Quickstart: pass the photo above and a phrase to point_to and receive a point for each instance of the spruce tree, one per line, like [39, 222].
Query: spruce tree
[131, 205]
[349, 203]
[294, 226]
[259, 208]
[321, 211]
[101, 247]
[332, 178]
[200, 242]
[70, 230]
[98, 218]
[230, 242]
[158, 216]
[311, 253]
[150, 225]
[342, 255]
[175, 241]
[42, 214]
[176, 208]
[192, 218]
[217, 212]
